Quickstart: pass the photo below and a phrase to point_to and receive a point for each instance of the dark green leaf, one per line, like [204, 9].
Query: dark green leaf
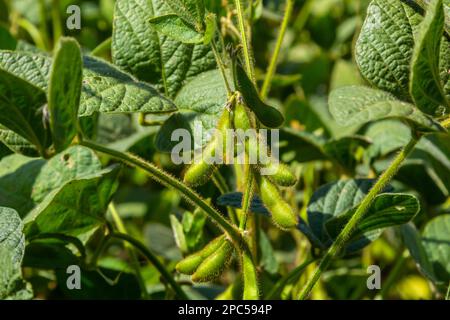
[176, 28]
[426, 87]
[360, 105]
[64, 92]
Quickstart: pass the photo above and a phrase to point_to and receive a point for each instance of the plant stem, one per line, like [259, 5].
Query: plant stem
[244, 41]
[221, 184]
[447, 296]
[166, 179]
[274, 60]
[221, 66]
[56, 20]
[246, 199]
[155, 261]
[134, 259]
[360, 213]
[33, 32]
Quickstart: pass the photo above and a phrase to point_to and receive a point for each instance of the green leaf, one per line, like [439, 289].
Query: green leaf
[12, 246]
[211, 26]
[64, 92]
[77, 209]
[16, 143]
[436, 242]
[234, 199]
[49, 254]
[385, 45]
[200, 103]
[176, 28]
[300, 146]
[153, 57]
[387, 210]
[105, 89]
[190, 10]
[25, 182]
[431, 250]
[178, 234]
[426, 88]
[360, 105]
[22, 109]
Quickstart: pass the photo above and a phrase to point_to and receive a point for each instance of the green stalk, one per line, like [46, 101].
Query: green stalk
[221, 66]
[166, 179]
[221, 184]
[33, 32]
[56, 19]
[43, 22]
[244, 40]
[274, 60]
[360, 213]
[134, 259]
[447, 296]
[155, 261]
[247, 197]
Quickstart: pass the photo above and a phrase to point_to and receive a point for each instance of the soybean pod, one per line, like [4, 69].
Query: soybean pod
[190, 264]
[213, 266]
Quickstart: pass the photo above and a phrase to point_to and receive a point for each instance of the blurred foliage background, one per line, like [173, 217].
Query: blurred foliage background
[316, 57]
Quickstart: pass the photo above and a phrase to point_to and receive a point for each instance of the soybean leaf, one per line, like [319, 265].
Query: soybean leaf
[385, 45]
[176, 28]
[76, 209]
[25, 182]
[360, 105]
[151, 56]
[200, 103]
[190, 10]
[49, 254]
[7, 41]
[436, 242]
[22, 109]
[105, 89]
[426, 88]
[178, 234]
[333, 200]
[17, 143]
[387, 210]
[64, 92]
[300, 146]
[12, 246]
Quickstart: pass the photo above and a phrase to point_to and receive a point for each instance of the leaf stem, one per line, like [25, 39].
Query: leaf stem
[244, 40]
[155, 261]
[134, 259]
[221, 66]
[166, 179]
[360, 213]
[274, 60]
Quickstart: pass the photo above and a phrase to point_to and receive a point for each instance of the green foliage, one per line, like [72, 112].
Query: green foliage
[87, 122]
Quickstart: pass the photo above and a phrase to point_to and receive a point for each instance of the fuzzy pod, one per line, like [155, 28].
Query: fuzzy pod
[282, 175]
[200, 173]
[213, 266]
[277, 172]
[190, 264]
[267, 115]
[241, 120]
[282, 214]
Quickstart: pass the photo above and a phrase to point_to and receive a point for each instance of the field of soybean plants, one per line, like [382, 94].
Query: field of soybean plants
[224, 149]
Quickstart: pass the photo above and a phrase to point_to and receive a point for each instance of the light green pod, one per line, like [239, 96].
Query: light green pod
[200, 173]
[283, 176]
[214, 265]
[241, 119]
[282, 214]
[189, 264]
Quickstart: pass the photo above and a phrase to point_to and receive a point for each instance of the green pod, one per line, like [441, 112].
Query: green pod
[214, 265]
[283, 176]
[189, 264]
[269, 116]
[282, 214]
[278, 173]
[241, 119]
[200, 173]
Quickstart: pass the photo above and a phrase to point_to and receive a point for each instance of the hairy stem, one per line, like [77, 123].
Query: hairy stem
[155, 261]
[360, 213]
[169, 181]
[244, 40]
[134, 259]
[221, 66]
[274, 60]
